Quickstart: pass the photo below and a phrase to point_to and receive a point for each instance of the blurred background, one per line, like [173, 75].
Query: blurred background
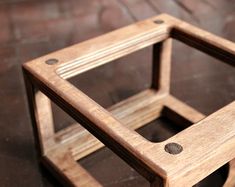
[32, 28]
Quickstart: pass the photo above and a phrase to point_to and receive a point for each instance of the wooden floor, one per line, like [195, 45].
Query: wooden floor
[31, 28]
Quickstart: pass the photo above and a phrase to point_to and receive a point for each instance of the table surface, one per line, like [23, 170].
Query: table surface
[30, 29]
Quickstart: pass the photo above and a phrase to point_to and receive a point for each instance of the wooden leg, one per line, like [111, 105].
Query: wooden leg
[41, 115]
[161, 69]
[44, 117]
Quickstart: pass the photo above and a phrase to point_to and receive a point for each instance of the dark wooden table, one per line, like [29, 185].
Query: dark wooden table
[31, 28]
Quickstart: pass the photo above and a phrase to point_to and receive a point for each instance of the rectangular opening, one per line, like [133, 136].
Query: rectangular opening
[159, 130]
[116, 81]
[99, 161]
[200, 80]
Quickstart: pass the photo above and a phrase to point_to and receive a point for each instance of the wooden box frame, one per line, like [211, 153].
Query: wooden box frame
[178, 161]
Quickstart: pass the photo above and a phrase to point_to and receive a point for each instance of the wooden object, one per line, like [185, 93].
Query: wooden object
[182, 160]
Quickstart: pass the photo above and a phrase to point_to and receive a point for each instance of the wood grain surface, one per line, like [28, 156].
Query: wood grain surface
[31, 29]
[178, 161]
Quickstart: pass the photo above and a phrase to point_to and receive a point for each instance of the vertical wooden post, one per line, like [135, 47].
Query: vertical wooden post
[41, 115]
[161, 69]
[45, 117]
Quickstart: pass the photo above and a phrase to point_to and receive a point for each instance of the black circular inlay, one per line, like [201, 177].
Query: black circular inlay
[52, 61]
[173, 148]
[158, 21]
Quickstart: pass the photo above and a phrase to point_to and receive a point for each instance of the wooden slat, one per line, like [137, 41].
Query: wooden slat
[84, 64]
[133, 112]
[103, 49]
[211, 44]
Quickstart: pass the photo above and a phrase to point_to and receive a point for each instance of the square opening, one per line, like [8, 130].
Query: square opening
[113, 82]
[199, 79]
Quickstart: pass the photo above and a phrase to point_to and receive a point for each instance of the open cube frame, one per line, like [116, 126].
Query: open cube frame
[182, 160]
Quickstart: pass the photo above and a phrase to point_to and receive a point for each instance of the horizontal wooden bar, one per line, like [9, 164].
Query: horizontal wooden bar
[96, 59]
[92, 53]
[206, 42]
[133, 112]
